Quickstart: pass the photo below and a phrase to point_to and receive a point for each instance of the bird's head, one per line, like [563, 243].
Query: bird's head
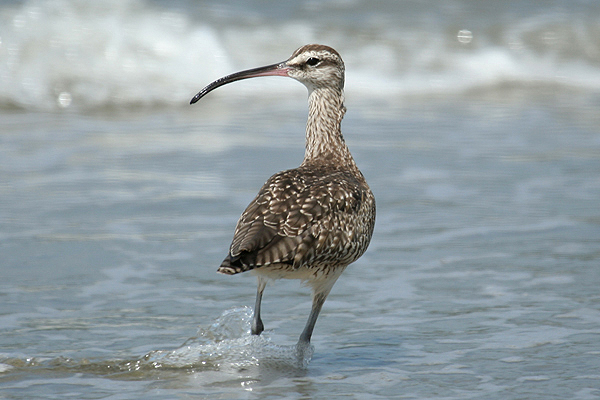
[315, 65]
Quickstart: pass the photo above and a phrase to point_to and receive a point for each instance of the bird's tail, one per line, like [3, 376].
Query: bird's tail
[234, 265]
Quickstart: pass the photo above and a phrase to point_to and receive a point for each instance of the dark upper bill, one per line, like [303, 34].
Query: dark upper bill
[279, 69]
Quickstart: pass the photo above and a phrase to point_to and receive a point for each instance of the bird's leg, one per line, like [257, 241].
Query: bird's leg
[318, 300]
[319, 294]
[257, 324]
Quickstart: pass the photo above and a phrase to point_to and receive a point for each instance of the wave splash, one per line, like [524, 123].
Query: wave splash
[226, 348]
[228, 345]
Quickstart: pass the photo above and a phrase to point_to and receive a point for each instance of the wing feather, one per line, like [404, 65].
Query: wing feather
[297, 218]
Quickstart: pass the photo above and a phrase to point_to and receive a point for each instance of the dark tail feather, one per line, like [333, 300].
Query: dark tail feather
[232, 266]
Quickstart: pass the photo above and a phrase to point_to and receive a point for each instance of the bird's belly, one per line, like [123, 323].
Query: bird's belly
[308, 274]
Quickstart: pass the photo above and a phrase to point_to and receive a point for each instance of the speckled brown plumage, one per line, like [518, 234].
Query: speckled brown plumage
[312, 221]
[310, 217]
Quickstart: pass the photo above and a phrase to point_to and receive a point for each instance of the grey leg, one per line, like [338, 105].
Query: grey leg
[318, 300]
[257, 324]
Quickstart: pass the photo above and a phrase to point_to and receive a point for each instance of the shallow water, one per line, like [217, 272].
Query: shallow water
[481, 280]
[118, 202]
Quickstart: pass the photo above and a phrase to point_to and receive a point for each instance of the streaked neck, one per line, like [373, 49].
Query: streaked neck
[324, 141]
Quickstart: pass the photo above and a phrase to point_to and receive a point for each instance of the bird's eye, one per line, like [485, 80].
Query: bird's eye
[313, 61]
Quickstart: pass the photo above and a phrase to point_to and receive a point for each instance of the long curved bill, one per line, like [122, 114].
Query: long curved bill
[279, 69]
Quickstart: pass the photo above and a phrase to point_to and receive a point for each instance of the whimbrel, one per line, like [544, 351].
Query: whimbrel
[310, 222]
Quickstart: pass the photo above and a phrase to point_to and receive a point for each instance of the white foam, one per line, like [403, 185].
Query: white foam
[5, 367]
[228, 346]
[78, 54]
[61, 53]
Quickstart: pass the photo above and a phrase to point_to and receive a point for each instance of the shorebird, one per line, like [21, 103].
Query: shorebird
[310, 222]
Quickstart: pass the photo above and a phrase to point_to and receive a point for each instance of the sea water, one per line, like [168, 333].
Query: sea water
[475, 124]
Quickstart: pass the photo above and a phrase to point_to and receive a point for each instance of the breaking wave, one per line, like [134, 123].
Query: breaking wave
[125, 53]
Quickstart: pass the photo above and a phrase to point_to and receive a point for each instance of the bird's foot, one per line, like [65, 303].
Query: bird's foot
[304, 352]
[257, 327]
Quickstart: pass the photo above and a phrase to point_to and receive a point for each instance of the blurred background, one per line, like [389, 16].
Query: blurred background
[75, 54]
[476, 124]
